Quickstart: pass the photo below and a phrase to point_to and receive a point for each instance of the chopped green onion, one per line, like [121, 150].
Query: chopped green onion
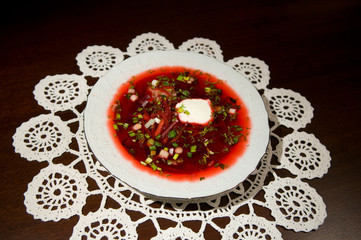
[153, 148]
[193, 148]
[238, 128]
[186, 112]
[115, 126]
[135, 120]
[180, 110]
[150, 142]
[171, 162]
[172, 134]
[175, 156]
[165, 83]
[158, 136]
[202, 161]
[189, 154]
[147, 135]
[117, 116]
[125, 125]
[186, 93]
[131, 133]
[158, 144]
[221, 165]
[148, 160]
[143, 163]
[207, 89]
[153, 166]
[175, 144]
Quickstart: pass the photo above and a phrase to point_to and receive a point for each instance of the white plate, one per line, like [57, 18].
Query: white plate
[102, 144]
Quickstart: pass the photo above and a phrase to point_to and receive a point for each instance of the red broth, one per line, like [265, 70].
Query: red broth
[146, 129]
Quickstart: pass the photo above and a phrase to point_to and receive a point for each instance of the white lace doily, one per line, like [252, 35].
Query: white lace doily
[61, 189]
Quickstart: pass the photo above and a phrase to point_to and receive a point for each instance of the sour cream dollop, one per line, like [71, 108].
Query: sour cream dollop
[195, 111]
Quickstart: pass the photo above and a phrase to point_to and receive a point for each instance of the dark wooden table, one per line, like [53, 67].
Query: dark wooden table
[311, 47]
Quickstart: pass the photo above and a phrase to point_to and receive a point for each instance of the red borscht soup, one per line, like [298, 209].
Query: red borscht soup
[179, 123]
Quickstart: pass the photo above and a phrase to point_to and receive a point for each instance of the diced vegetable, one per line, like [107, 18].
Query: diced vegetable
[153, 166]
[179, 150]
[133, 98]
[137, 126]
[172, 134]
[163, 154]
[232, 111]
[155, 83]
[148, 160]
[157, 120]
[150, 142]
[159, 128]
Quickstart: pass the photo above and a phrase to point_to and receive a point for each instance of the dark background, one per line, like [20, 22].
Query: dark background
[311, 47]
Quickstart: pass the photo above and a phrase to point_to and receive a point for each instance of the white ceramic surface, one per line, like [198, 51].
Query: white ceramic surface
[103, 147]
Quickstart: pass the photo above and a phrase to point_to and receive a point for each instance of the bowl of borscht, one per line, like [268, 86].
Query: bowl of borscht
[176, 124]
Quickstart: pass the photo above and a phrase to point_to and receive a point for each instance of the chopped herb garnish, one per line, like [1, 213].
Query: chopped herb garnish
[158, 144]
[186, 93]
[153, 166]
[148, 160]
[180, 78]
[193, 148]
[221, 165]
[232, 100]
[172, 134]
[135, 120]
